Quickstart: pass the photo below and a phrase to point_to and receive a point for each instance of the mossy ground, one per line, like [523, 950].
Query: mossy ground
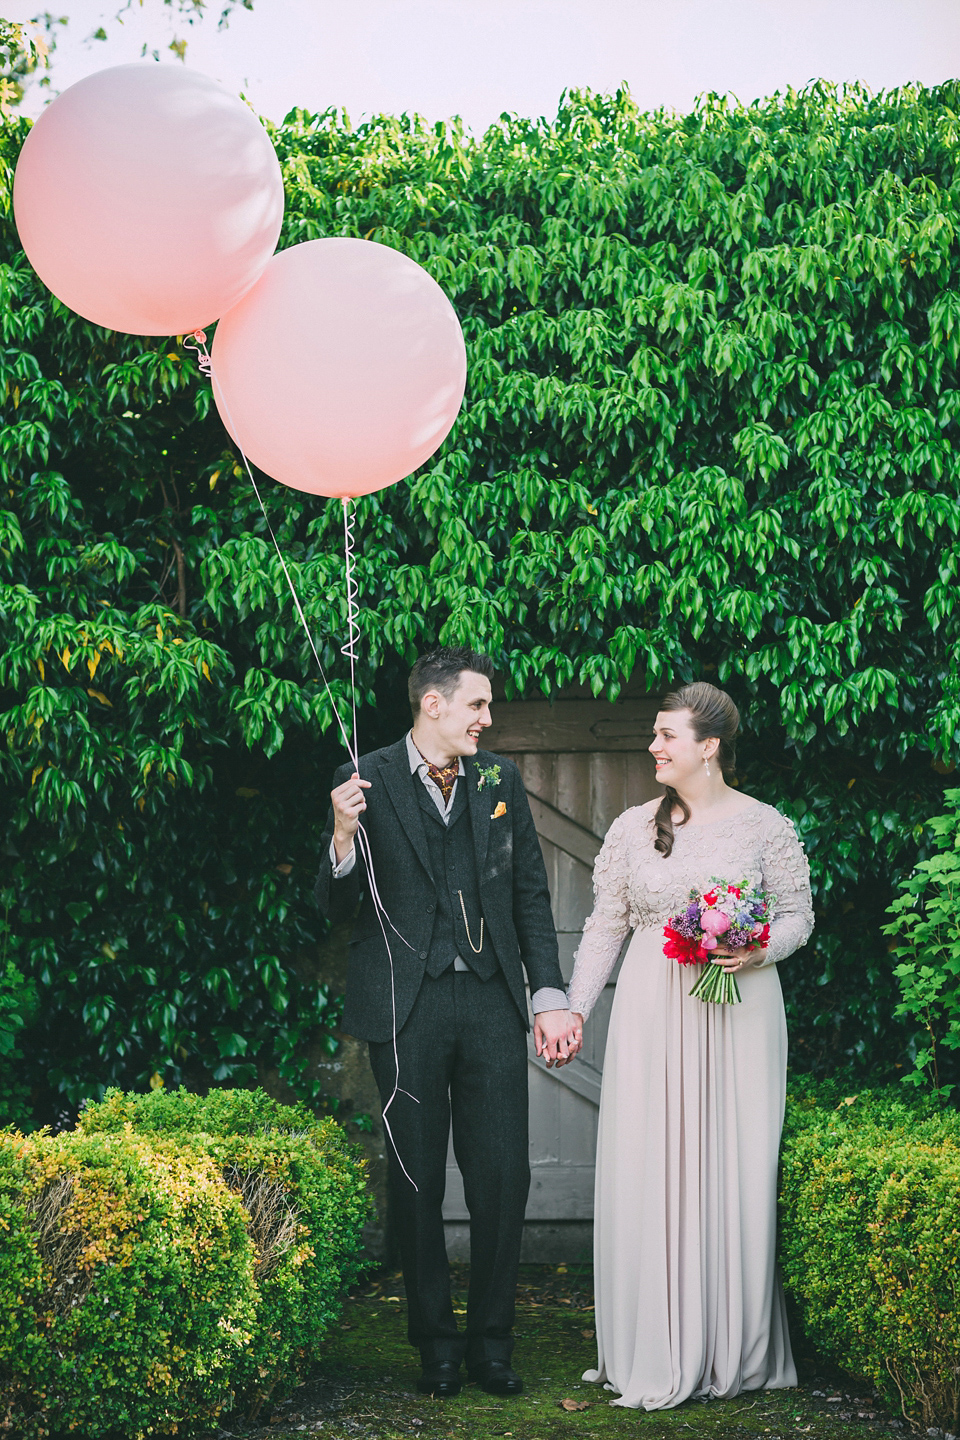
[365, 1384]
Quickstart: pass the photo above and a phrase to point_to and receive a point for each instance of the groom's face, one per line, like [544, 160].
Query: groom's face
[460, 719]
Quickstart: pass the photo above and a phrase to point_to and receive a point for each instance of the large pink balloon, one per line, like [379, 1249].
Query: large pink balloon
[342, 370]
[148, 199]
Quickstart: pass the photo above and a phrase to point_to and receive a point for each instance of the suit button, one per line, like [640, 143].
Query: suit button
[423, 954]
[430, 909]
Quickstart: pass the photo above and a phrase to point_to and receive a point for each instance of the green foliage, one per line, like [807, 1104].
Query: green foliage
[22, 53]
[303, 1188]
[172, 1258]
[870, 1243]
[127, 1284]
[18, 1003]
[927, 924]
[18, 1006]
[710, 431]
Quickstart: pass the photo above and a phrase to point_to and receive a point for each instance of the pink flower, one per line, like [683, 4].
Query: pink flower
[714, 922]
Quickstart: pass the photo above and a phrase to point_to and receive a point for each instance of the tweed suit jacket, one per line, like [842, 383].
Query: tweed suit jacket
[510, 873]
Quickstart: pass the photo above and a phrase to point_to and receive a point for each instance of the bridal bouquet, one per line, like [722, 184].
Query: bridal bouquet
[737, 914]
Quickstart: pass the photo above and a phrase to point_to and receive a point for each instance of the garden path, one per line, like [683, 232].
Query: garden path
[364, 1386]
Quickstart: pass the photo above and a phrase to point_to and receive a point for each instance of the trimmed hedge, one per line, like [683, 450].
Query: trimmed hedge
[174, 1257]
[870, 1241]
[303, 1186]
[126, 1285]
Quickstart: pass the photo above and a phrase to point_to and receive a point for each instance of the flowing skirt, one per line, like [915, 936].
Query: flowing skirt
[688, 1297]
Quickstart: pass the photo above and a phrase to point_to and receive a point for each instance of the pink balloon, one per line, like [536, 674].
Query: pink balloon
[342, 370]
[148, 199]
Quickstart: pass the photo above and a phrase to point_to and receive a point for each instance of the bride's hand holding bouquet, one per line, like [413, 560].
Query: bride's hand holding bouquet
[728, 925]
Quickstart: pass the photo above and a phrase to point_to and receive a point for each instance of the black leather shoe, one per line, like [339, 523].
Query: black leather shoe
[496, 1377]
[440, 1378]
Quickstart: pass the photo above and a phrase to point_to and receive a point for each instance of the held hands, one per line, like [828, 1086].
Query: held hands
[348, 805]
[558, 1035]
[733, 961]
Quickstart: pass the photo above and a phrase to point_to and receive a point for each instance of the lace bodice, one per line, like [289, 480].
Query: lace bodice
[638, 888]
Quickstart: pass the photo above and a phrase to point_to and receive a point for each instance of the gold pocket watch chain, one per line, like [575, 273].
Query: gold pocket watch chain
[475, 948]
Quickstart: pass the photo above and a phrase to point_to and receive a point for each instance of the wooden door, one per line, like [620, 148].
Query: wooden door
[583, 762]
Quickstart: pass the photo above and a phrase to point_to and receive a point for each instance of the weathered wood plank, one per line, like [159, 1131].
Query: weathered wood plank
[581, 1078]
[557, 1192]
[553, 825]
[568, 726]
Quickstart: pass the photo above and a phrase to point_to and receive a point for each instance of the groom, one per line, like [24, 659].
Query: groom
[458, 868]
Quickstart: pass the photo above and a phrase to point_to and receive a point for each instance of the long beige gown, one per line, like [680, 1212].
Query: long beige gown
[688, 1299]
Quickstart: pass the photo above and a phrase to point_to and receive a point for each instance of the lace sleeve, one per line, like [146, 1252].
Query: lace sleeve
[604, 931]
[787, 875]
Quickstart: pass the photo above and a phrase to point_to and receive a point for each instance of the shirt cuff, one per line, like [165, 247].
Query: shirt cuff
[547, 999]
[346, 864]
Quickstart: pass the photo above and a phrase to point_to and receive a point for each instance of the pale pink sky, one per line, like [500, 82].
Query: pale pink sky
[479, 57]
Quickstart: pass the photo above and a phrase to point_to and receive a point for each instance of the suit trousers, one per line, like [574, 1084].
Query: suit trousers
[462, 1051]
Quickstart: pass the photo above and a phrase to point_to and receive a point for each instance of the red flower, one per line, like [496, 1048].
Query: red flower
[734, 890]
[760, 937]
[712, 896]
[679, 948]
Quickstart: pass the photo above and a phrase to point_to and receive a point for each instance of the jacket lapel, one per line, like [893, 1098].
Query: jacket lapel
[395, 769]
[479, 802]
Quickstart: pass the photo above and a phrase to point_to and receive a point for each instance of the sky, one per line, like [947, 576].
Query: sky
[477, 58]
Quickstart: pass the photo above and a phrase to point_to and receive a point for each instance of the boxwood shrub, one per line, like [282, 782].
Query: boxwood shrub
[870, 1241]
[172, 1258]
[127, 1294]
[302, 1184]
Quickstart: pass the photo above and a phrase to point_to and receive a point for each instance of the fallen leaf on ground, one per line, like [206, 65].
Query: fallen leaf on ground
[588, 1334]
[569, 1404]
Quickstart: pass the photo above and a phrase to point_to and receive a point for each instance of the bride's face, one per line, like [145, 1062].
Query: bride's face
[677, 751]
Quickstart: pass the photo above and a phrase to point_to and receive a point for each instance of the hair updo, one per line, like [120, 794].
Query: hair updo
[712, 715]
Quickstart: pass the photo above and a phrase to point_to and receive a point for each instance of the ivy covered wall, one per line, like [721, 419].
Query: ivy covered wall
[709, 431]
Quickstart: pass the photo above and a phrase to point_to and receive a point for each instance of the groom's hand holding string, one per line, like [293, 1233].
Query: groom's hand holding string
[349, 804]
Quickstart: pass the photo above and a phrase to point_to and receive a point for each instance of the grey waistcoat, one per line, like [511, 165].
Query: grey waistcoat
[453, 863]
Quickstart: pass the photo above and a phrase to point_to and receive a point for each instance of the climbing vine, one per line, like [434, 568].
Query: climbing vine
[710, 430]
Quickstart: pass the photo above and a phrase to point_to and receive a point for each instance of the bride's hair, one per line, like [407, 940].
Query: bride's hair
[712, 714]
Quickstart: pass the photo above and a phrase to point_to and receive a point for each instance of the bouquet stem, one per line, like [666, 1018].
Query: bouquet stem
[717, 984]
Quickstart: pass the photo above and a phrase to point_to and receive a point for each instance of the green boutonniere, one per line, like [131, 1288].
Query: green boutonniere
[490, 776]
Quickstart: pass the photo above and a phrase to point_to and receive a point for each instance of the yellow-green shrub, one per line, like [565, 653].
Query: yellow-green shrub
[303, 1187]
[870, 1243]
[127, 1293]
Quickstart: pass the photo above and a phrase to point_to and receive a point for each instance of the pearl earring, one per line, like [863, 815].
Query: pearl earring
[707, 765]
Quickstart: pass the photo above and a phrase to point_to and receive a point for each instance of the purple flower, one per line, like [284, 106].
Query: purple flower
[738, 936]
[687, 924]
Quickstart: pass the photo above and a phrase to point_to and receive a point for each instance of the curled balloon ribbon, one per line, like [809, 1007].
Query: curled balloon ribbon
[349, 651]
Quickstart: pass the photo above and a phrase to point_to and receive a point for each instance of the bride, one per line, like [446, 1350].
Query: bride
[688, 1299]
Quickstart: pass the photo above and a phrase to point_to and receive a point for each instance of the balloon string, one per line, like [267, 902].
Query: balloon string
[353, 622]
[205, 364]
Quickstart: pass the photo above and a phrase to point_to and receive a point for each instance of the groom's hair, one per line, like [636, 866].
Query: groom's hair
[441, 669]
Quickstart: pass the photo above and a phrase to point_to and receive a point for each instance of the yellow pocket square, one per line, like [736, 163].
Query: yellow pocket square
[500, 810]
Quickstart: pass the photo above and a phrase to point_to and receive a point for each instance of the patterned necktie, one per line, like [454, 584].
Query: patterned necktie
[444, 777]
